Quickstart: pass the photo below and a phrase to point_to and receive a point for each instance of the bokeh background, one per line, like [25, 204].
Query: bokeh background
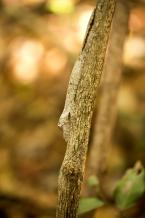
[39, 42]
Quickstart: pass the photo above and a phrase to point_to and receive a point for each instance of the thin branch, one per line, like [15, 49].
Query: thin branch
[77, 115]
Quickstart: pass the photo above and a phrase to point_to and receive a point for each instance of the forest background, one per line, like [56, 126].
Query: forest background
[39, 42]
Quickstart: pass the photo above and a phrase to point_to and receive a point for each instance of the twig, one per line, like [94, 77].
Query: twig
[77, 115]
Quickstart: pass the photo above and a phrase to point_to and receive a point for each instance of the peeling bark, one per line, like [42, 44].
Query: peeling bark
[77, 115]
[106, 116]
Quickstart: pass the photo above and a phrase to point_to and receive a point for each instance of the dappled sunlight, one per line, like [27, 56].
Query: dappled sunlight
[82, 22]
[134, 52]
[25, 60]
[54, 62]
[126, 100]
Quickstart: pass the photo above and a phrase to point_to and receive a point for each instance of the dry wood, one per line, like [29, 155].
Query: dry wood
[77, 115]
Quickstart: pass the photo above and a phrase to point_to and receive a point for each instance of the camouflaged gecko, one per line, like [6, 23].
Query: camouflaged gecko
[64, 121]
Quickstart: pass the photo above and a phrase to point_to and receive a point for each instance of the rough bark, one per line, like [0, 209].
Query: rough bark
[106, 116]
[77, 115]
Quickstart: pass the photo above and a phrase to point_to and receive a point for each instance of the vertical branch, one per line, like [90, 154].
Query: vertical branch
[77, 115]
[107, 108]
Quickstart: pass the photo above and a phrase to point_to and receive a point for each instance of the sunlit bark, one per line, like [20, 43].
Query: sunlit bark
[77, 115]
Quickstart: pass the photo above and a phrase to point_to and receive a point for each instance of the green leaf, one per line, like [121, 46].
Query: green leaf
[88, 204]
[61, 6]
[131, 187]
[93, 181]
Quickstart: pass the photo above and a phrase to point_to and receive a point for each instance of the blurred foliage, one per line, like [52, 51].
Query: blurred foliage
[131, 187]
[61, 6]
[88, 204]
[93, 181]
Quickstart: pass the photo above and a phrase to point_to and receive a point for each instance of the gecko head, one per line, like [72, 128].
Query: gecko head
[64, 119]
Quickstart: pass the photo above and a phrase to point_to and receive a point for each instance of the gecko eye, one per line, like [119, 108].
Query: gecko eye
[69, 115]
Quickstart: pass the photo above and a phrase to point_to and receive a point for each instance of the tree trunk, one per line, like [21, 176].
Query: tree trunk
[106, 116]
[77, 115]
